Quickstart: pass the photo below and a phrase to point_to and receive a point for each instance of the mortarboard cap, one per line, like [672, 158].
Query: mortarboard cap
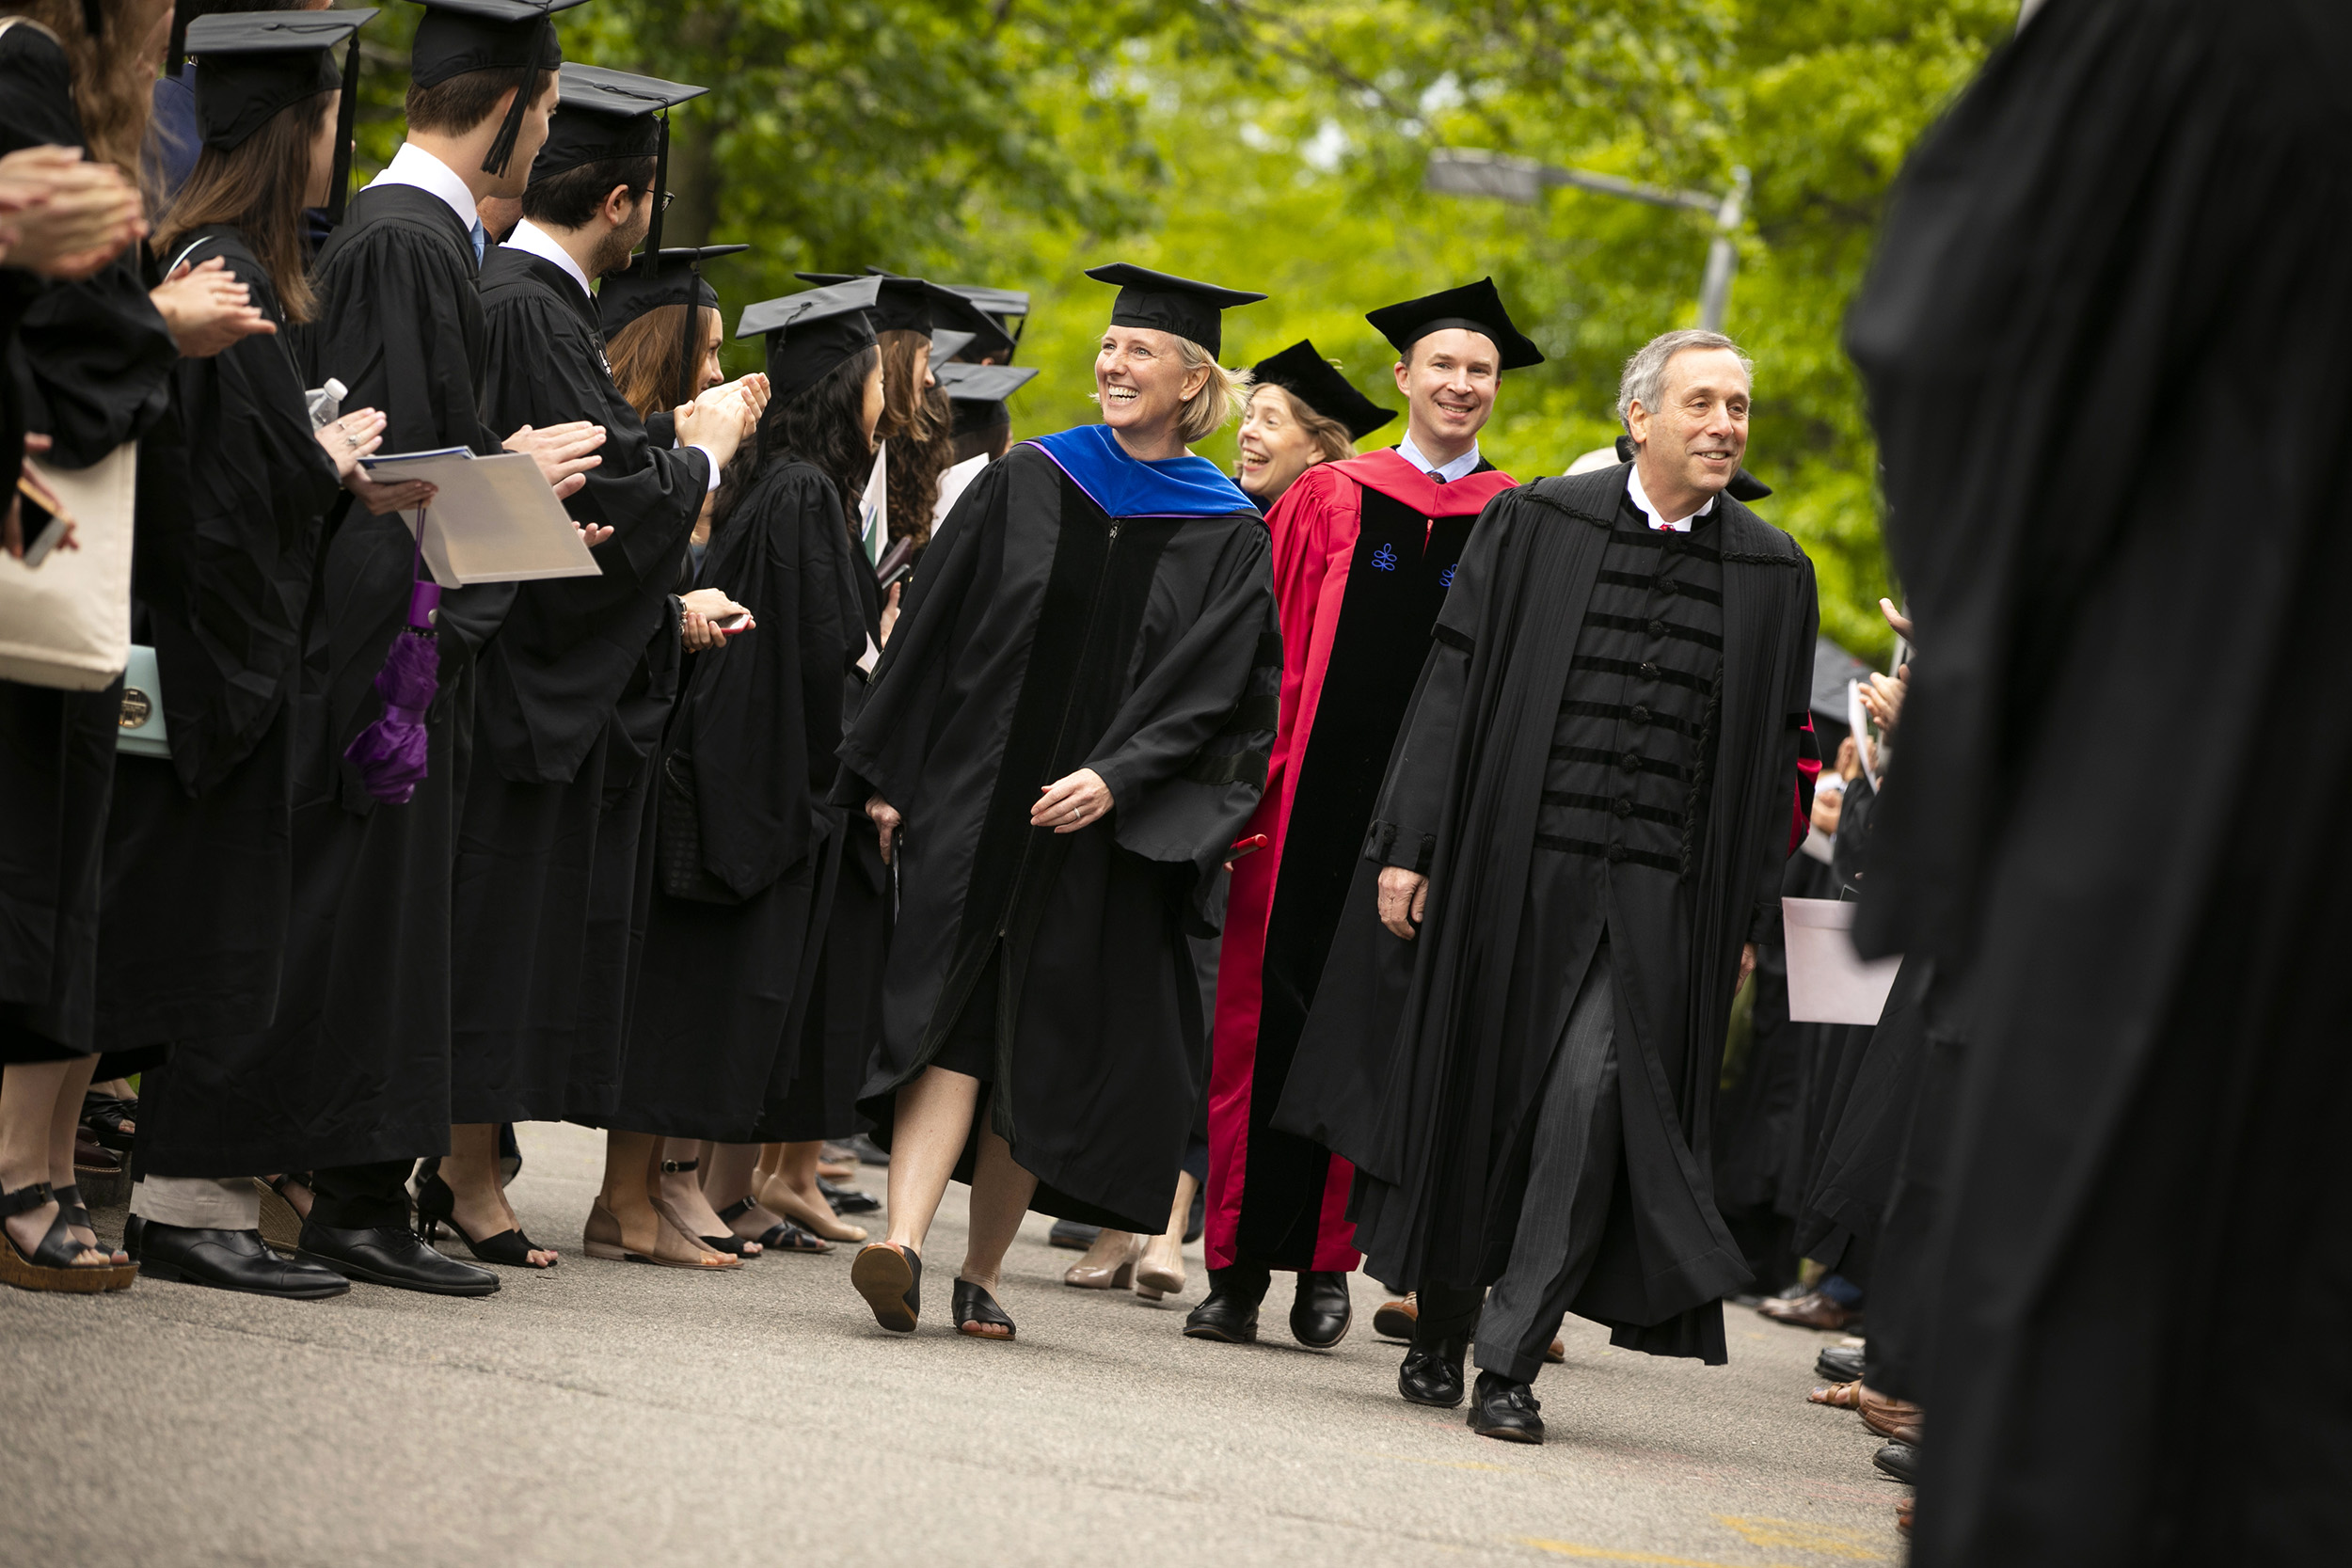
[602, 113]
[901, 304]
[983, 383]
[1166, 303]
[1474, 307]
[255, 63]
[946, 343]
[953, 307]
[629, 294]
[810, 335]
[1315, 382]
[455, 37]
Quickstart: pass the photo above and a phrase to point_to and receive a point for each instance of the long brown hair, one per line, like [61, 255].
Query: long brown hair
[914, 463]
[904, 411]
[256, 187]
[113, 79]
[644, 357]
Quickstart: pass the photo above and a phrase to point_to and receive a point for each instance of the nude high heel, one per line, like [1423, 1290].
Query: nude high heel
[1109, 1264]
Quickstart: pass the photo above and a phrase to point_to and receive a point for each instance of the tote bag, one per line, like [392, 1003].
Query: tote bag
[66, 622]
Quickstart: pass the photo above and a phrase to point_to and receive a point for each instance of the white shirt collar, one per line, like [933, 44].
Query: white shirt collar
[1641, 498]
[531, 239]
[412, 166]
[1449, 473]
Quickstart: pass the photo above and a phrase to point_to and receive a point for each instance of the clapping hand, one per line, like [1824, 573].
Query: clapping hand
[207, 310]
[62, 215]
[564, 453]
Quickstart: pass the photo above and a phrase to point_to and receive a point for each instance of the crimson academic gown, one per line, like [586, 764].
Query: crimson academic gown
[1363, 554]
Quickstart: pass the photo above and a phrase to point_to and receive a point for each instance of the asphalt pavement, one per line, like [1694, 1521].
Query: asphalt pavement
[615, 1413]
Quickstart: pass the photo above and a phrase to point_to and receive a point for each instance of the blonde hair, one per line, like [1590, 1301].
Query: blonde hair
[1331, 438]
[1222, 397]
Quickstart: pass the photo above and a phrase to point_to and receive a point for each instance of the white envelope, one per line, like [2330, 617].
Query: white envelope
[1828, 981]
[495, 519]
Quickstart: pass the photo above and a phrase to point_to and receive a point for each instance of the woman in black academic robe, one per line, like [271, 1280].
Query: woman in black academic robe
[199, 855]
[745, 847]
[90, 365]
[1057, 750]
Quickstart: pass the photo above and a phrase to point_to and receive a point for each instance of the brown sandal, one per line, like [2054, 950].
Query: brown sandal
[1842, 1396]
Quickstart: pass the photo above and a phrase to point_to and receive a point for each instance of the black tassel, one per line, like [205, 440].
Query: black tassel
[660, 184]
[690, 348]
[346, 119]
[502, 149]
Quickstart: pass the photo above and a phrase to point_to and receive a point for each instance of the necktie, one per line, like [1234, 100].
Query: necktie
[481, 241]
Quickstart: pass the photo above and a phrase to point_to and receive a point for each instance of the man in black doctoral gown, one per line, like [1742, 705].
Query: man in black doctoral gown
[1584, 819]
[546, 842]
[359, 1051]
[2104, 342]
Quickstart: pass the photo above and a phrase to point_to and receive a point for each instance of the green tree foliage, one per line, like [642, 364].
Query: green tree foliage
[1282, 146]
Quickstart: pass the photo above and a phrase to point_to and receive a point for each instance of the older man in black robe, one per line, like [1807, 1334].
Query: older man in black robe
[1584, 821]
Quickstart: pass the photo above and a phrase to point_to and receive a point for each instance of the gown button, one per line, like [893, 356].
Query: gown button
[1657, 628]
[1630, 761]
[1640, 714]
[1616, 851]
[1623, 807]
[1650, 671]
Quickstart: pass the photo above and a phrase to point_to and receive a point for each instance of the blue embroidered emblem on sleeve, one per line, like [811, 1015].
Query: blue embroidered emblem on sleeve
[1445, 578]
[1384, 559]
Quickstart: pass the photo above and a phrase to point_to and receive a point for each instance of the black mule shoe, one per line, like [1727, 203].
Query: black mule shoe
[436, 1206]
[1432, 1374]
[783, 1236]
[890, 1278]
[1320, 1314]
[846, 1200]
[977, 1312]
[226, 1260]
[1504, 1409]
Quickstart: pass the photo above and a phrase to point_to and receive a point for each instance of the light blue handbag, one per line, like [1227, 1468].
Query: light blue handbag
[142, 733]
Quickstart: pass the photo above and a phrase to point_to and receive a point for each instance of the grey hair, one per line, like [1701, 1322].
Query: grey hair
[1645, 378]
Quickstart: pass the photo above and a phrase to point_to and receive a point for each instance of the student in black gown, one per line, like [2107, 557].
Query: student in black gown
[746, 846]
[358, 1054]
[199, 872]
[86, 367]
[556, 790]
[1059, 748]
[2103, 341]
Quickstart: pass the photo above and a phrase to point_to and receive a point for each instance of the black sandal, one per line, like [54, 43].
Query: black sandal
[76, 1212]
[977, 1312]
[112, 1120]
[55, 1262]
[783, 1236]
[890, 1278]
[436, 1206]
[846, 1200]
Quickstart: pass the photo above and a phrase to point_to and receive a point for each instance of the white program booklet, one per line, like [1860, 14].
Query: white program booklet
[493, 520]
[1828, 981]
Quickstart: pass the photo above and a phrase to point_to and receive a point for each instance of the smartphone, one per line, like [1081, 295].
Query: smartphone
[42, 528]
[730, 624]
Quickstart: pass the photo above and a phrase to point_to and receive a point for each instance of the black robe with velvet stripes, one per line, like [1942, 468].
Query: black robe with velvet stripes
[1405, 1059]
[745, 773]
[2103, 341]
[90, 368]
[530, 937]
[1040, 636]
[198, 876]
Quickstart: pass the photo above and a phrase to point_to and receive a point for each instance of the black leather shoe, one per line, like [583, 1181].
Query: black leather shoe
[1229, 1316]
[1840, 1363]
[1074, 1234]
[1505, 1410]
[387, 1255]
[226, 1260]
[1320, 1313]
[1432, 1374]
[1900, 1461]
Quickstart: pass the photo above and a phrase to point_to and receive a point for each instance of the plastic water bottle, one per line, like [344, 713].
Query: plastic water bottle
[327, 403]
